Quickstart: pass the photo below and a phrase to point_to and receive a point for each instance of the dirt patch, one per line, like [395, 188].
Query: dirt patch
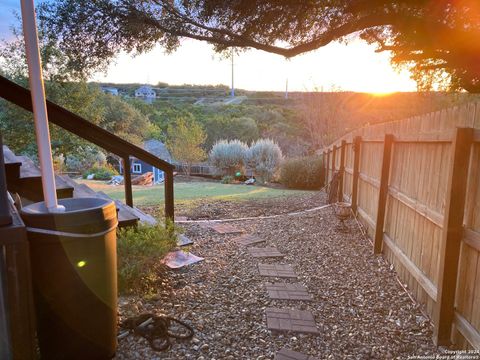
[207, 209]
[251, 208]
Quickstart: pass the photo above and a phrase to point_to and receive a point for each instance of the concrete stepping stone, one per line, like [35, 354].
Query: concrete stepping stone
[266, 252]
[276, 270]
[287, 320]
[282, 291]
[224, 228]
[286, 354]
[248, 239]
[182, 240]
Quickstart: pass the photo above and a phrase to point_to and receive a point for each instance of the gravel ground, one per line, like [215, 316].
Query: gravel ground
[360, 309]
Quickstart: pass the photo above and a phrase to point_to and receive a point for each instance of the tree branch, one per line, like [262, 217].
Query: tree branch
[228, 39]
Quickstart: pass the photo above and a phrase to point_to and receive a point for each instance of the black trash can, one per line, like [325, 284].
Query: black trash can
[74, 272]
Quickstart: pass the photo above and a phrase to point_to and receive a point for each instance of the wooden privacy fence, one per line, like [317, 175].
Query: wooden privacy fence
[415, 185]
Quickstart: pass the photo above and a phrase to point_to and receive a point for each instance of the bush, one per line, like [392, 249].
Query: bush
[228, 156]
[227, 179]
[303, 173]
[139, 253]
[104, 172]
[264, 157]
[90, 157]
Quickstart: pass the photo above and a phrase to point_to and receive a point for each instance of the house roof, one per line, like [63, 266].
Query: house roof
[158, 149]
[144, 89]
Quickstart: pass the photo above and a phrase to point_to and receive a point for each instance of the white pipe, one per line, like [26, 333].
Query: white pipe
[39, 105]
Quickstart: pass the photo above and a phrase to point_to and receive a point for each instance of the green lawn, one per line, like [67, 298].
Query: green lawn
[188, 192]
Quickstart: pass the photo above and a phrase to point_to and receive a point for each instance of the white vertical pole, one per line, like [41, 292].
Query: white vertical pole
[39, 105]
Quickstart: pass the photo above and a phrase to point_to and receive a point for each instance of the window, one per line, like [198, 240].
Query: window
[137, 168]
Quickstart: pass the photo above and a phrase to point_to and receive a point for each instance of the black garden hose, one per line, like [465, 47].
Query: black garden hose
[157, 329]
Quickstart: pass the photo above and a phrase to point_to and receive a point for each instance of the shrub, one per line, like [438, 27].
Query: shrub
[264, 157]
[228, 155]
[103, 172]
[90, 157]
[227, 179]
[303, 173]
[139, 253]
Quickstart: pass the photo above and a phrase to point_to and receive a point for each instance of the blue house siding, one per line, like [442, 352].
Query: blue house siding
[140, 167]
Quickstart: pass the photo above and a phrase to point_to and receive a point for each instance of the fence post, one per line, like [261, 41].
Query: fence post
[327, 168]
[127, 181]
[356, 171]
[383, 192]
[334, 154]
[341, 170]
[169, 204]
[452, 235]
[324, 158]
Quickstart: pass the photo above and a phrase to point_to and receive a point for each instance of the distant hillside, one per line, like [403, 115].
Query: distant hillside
[323, 116]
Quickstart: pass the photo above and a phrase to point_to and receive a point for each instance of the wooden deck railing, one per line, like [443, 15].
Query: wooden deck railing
[415, 186]
[75, 124]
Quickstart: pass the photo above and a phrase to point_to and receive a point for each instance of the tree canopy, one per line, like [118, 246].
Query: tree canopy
[437, 40]
[185, 140]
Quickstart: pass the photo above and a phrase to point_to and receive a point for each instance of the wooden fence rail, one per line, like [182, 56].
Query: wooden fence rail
[415, 185]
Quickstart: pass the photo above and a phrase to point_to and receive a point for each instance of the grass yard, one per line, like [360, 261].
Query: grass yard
[186, 192]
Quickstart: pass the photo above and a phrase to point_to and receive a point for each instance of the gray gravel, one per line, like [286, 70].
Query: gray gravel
[360, 309]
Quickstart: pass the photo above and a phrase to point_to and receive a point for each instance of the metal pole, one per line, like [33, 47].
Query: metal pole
[39, 106]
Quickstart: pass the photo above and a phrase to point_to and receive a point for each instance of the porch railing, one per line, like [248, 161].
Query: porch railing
[75, 124]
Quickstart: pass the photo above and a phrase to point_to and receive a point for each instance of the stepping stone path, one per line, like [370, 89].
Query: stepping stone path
[282, 291]
[276, 270]
[286, 354]
[247, 240]
[282, 320]
[224, 228]
[266, 252]
[291, 320]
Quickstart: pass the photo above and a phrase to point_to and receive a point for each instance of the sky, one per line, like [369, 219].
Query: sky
[349, 67]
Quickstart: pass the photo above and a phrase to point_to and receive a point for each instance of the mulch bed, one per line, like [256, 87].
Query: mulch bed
[359, 308]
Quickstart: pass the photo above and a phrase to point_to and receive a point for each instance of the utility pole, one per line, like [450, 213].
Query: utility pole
[232, 92]
[286, 89]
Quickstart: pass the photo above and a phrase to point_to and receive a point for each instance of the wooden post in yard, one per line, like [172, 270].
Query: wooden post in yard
[383, 192]
[327, 180]
[169, 203]
[356, 171]
[324, 159]
[334, 154]
[452, 235]
[342, 170]
[127, 181]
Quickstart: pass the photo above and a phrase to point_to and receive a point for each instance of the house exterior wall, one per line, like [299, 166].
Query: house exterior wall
[158, 174]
